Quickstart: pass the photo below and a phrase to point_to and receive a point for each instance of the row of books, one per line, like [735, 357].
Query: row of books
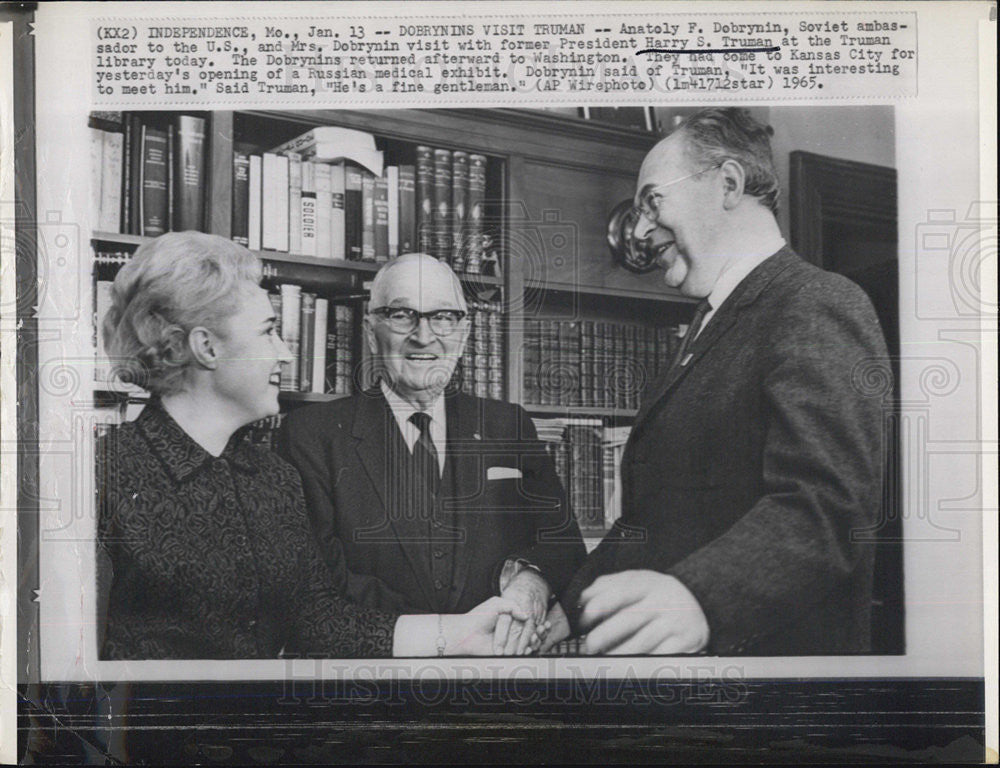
[310, 197]
[148, 172]
[587, 455]
[321, 338]
[592, 364]
[481, 368]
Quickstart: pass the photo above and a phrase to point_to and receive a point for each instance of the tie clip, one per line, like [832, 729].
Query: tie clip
[687, 359]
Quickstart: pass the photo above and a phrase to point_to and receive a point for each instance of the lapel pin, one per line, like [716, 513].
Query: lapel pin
[477, 436]
[687, 359]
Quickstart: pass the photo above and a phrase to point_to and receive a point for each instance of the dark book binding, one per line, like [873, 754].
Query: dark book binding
[367, 216]
[241, 197]
[459, 208]
[153, 198]
[441, 240]
[425, 199]
[352, 211]
[381, 234]
[476, 214]
[307, 330]
[189, 173]
[407, 209]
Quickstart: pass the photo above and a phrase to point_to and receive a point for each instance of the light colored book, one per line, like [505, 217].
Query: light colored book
[392, 180]
[110, 216]
[324, 210]
[308, 209]
[254, 204]
[294, 203]
[291, 309]
[331, 144]
[274, 203]
[319, 345]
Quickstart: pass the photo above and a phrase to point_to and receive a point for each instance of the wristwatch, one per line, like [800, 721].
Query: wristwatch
[513, 567]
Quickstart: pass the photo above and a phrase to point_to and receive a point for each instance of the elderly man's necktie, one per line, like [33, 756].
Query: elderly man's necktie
[425, 455]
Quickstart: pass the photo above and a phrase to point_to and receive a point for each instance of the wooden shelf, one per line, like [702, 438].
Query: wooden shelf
[665, 294]
[111, 397]
[368, 267]
[580, 410]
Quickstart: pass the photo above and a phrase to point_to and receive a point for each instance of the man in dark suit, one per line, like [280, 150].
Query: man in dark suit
[758, 453]
[427, 501]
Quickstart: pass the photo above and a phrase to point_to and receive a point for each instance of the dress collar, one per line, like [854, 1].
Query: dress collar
[178, 451]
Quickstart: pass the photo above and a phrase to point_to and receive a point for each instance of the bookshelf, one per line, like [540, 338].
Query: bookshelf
[549, 186]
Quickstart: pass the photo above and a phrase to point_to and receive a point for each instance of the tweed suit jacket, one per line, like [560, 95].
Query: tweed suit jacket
[753, 468]
[500, 498]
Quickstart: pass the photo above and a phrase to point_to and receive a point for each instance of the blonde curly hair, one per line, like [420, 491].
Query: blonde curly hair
[177, 282]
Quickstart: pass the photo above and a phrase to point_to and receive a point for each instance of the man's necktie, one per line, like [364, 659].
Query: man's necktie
[700, 311]
[425, 455]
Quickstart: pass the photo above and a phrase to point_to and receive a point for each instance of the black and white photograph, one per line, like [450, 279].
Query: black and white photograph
[558, 402]
[443, 482]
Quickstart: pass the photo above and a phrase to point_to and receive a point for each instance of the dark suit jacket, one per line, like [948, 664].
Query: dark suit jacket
[348, 453]
[749, 468]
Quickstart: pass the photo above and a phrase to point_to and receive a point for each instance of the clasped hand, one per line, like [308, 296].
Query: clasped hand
[514, 636]
[640, 612]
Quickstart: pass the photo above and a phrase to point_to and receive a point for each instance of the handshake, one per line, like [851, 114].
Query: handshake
[627, 613]
[516, 623]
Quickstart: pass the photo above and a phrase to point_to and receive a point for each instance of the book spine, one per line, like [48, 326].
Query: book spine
[295, 208]
[110, 219]
[441, 241]
[274, 203]
[381, 231]
[307, 327]
[254, 202]
[468, 365]
[102, 303]
[319, 339]
[307, 210]
[496, 366]
[608, 478]
[476, 214]
[337, 241]
[482, 359]
[241, 198]
[459, 209]
[619, 347]
[189, 169]
[529, 362]
[154, 182]
[171, 173]
[135, 176]
[96, 176]
[586, 348]
[367, 217]
[139, 179]
[275, 299]
[392, 184]
[352, 211]
[299, 144]
[324, 209]
[291, 309]
[571, 364]
[425, 199]
[344, 369]
[407, 209]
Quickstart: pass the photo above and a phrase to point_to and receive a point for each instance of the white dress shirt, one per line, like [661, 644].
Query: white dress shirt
[731, 276]
[402, 410]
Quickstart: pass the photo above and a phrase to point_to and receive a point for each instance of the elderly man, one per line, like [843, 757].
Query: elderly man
[755, 457]
[425, 500]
